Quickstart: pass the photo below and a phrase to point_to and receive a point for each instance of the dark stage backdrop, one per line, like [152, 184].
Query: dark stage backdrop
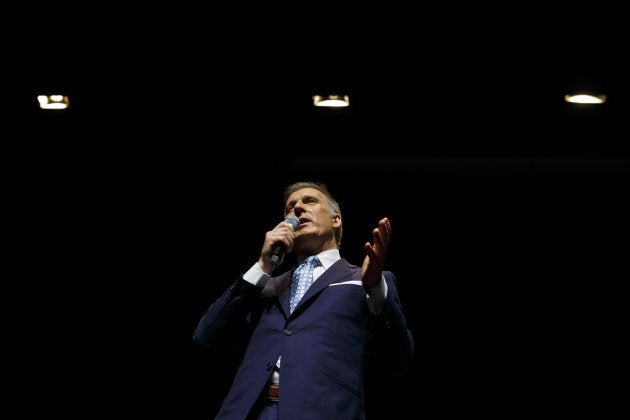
[509, 206]
[512, 272]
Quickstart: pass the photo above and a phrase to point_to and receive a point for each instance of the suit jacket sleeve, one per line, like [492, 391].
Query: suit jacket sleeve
[227, 323]
[390, 342]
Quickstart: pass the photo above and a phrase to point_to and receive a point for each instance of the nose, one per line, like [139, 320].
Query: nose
[297, 208]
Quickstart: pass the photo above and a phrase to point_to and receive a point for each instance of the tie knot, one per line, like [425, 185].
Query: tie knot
[307, 265]
[311, 261]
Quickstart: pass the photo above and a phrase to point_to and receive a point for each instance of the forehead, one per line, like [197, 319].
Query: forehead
[304, 193]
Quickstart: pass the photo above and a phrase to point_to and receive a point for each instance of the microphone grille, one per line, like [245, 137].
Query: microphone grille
[293, 221]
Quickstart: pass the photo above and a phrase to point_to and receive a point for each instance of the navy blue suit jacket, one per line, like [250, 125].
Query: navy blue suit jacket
[326, 343]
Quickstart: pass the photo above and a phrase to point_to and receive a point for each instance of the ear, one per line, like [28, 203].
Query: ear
[336, 220]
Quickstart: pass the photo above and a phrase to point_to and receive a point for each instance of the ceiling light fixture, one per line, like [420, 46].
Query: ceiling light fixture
[333, 101]
[53, 101]
[583, 98]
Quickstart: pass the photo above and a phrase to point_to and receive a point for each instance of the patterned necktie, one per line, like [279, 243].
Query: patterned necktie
[302, 279]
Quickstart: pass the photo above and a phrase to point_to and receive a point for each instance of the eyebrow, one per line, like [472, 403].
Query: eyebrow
[303, 198]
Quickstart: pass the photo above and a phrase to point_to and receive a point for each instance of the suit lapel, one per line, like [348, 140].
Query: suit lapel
[341, 270]
[279, 287]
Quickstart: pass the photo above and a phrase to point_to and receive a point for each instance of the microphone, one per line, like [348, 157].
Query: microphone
[278, 251]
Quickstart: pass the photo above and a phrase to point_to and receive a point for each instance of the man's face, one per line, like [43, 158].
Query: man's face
[317, 221]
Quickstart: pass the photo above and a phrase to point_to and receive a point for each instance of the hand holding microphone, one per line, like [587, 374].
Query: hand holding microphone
[280, 240]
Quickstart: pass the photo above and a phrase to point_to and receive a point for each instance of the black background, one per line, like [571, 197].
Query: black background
[510, 215]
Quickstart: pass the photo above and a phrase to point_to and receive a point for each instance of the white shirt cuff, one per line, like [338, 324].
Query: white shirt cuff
[376, 296]
[256, 276]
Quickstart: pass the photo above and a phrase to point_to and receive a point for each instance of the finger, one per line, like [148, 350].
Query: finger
[385, 229]
[381, 236]
[376, 236]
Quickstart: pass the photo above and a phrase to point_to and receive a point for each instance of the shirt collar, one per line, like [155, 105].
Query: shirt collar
[326, 258]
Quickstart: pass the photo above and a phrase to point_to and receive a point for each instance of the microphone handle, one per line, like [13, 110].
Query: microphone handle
[276, 255]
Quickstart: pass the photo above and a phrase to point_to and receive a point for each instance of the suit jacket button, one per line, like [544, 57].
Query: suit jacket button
[268, 366]
[287, 332]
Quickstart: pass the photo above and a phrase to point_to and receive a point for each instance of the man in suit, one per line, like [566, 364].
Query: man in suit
[309, 362]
